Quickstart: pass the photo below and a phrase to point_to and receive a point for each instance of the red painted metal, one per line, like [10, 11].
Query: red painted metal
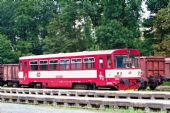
[152, 67]
[100, 81]
[9, 72]
[167, 67]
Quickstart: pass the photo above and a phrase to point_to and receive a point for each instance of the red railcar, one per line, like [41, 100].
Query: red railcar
[89, 69]
[9, 74]
[153, 71]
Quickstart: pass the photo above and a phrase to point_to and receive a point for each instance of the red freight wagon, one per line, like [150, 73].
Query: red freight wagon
[118, 69]
[9, 74]
[167, 68]
[153, 71]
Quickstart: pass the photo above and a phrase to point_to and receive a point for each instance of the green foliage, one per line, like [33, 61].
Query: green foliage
[51, 26]
[155, 5]
[120, 24]
[93, 9]
[7, 17]
[163, 48]
[162, 32]
[157, 27]
[165, 84]
[113, 35]
[162, 22]
[7, 55]
[69, 30]
[23, 47]
[31, 21]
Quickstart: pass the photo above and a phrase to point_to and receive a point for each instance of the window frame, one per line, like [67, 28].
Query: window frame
[87, 62]
[109, 61]
[25, 65]
[20, 65]
[45, 64]
[33, 65]
[57, 64]
[65, 66]
[76, 64]
[123, 63]
[101, 64]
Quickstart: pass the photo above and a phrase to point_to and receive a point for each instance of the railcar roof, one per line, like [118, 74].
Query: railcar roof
[84, 53]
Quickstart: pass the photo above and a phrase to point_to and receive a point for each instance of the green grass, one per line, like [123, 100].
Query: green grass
[165, 84]
[126, 111]
[108, 110]
[122, 111]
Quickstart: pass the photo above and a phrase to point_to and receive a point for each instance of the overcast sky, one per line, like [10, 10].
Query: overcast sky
[145, 13]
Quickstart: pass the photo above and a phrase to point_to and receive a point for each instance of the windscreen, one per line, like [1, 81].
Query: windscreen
[123, 61]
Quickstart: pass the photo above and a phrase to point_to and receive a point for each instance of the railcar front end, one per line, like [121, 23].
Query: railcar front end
[125, 73]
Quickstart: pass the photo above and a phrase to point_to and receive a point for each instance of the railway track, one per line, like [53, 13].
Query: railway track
[88, 99]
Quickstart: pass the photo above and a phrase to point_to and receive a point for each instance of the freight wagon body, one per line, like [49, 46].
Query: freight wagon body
[9, 74]
[167, 68]
[153, 71]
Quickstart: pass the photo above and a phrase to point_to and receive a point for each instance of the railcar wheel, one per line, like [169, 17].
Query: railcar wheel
[9, 84]
[15, 85]
[37, 85]
[1, 83]
[80, 86]
[152, 87]
[91, 86]
[143, 84]
[153, 83]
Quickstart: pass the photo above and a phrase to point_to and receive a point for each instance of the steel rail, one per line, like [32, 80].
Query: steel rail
[91, 93]
[86, 102]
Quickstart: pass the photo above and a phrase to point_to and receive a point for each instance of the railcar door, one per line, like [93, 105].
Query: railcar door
[25, 70]
[101, 70]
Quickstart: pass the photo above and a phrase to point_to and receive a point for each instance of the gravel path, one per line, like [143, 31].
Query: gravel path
[24, 108]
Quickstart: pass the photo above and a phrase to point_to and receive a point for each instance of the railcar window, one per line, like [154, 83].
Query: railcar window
[100, 63]
[135, 62]
[53, 64]
[121, 61]
[64, 64]
[25, 65]
[109, 62]
[33, 65]
[89, 63]
[76, 63]
[43, 65]
[20, 65]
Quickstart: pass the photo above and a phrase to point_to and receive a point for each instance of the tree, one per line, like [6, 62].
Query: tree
[113, 35]
[7, 55]
[162, 32]
[155, 5]
[122, 20]
[31, 20]
[151, 37]
[7, 17]
[69, 30]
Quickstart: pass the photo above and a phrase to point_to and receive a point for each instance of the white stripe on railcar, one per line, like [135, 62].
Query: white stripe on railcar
[63, 74]
[123, 73]
[20, 75]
